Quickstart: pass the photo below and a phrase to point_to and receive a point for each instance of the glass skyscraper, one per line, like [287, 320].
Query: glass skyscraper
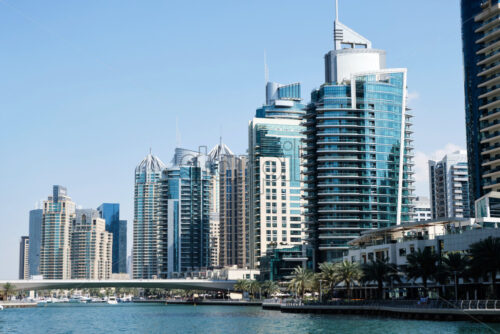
[480, 42]
[111, 213]
[35, 235]
[274, 186]
[146, 218]
[233, 211]
[184, 242]
[358, 153]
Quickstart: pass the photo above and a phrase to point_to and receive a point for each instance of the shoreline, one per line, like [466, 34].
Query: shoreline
[410, 313]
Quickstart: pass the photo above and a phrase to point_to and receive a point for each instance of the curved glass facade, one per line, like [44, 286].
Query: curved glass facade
[358, 159]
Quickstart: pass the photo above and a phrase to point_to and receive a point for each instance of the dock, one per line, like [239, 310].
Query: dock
[7, 305]
[483, 310]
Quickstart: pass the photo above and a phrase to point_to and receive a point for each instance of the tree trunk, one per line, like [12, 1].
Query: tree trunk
[380, 289]
[493, 285]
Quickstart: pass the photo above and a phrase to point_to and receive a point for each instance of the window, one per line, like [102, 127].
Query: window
[402, 252]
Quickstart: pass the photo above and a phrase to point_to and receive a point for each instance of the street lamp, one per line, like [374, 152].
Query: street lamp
[456, 285]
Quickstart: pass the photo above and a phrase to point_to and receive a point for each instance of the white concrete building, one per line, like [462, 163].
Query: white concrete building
[91, 246]
[422, 210]
[449, 186]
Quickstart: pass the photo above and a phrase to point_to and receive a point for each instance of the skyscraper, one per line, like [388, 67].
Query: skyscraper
[58, 213]
[184, 243]
[35, 236]
[146, 218]
[24, 246]
[479, 24]
[233, 211]
[111, 213]
[449, 186]
[358, 153]
[215, 157]
[274, 172]
[91, 246]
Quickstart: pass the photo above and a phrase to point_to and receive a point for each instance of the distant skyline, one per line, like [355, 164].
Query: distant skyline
[88, 88]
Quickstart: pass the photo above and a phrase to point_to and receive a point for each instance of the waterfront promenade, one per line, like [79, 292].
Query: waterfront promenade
[484, 310]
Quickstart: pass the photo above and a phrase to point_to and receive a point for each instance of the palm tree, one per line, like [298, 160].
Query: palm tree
[8, 290]
[456, 265]
[253, 288]
[486, 259]
[379, 271]
[302, 281]
[327, 275]
[348, 273]
[242, 285]
[270, 288]
[422, 264]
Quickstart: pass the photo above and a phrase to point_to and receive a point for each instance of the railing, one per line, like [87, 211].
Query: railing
[493, 305]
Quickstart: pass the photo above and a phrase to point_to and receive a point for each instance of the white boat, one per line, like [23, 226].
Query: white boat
[112, 300]
[75, 299]
[1, 307]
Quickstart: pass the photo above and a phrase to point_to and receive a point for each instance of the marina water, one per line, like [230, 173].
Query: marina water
[157, 318]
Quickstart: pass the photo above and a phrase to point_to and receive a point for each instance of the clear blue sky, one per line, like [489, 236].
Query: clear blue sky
[88, 87]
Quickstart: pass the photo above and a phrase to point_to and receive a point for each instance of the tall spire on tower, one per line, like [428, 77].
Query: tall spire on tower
[336, 10]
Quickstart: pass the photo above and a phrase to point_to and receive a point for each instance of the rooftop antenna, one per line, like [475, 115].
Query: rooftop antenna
[336, 10]
[266, 69]
[150, 150]
[177, 133]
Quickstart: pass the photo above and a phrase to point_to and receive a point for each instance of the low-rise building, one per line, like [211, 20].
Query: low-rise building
[279, 263]
[442, 235]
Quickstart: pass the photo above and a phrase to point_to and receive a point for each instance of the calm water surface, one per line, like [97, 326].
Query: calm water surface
[130, 318]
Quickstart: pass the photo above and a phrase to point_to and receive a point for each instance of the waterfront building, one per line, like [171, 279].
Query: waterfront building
[146, 218]
[358, 152]
[24, 246]
[422, 210]
[449, 186]
[58, 213]
[91, 246]
[274, 185]
[35, 236]
[279, 263]
[184, 207]
[233, 211]
[111, 213]
[480, 22]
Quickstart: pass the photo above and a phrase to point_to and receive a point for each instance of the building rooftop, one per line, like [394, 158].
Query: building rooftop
[150, 163]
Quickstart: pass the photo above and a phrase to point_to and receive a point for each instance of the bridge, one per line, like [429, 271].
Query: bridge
[186, 284]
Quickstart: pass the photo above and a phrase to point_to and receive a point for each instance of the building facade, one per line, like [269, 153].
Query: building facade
[422, 210]
[58, 213]
[274, 188]
[449, 186]
[91, 246]
[110, 212]
[480, 21]
[24, 246]
[358, 153]
[184, 212]
[146, 217]
[35, 236]
[233, 211]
